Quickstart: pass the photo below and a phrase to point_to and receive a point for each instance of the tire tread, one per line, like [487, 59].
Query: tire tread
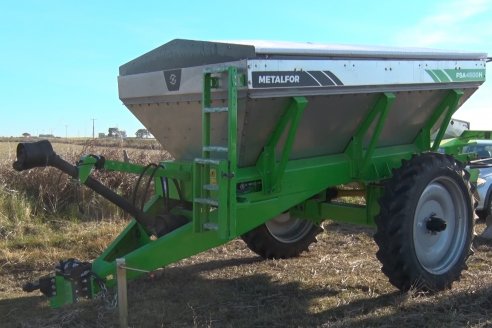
[392, 235]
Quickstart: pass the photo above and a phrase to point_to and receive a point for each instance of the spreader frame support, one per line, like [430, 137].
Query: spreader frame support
[295, 185]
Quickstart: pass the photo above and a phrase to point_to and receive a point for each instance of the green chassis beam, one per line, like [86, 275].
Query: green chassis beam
[362, 158]
[271, 172]
[300, 181]
[447, 108]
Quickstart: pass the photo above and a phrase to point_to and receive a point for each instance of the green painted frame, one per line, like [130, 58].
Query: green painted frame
[295, 185]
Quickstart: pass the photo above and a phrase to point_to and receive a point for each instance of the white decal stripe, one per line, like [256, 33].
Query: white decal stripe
[434, 75]
[313, 78]
[329, 78]
[449, 77]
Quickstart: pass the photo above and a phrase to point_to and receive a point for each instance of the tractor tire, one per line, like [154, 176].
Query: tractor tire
[425, 224]
[282, 237]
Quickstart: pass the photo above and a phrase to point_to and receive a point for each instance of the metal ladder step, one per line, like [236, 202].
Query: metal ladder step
[207, 161]
[208, 214]
[211, 187]
[217, 149]
[216, 69]
[215, 109]
[207, 201]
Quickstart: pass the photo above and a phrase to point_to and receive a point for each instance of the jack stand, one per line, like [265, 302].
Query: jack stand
[122, 292]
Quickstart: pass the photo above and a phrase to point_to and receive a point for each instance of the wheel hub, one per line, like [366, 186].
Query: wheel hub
[438, 242]
[287, 229]
[435, 224]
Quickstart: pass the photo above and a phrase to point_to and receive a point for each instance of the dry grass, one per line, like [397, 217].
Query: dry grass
[133, 143]
[51, 192]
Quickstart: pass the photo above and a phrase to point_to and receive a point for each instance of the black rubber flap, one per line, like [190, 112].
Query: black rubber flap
[187, 53]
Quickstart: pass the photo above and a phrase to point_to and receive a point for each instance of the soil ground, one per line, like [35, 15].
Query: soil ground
[337, 284]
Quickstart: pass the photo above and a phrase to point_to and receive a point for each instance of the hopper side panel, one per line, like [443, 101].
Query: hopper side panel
[178, 128]
[322, 73]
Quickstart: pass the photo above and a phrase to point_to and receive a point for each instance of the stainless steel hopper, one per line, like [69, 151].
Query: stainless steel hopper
[163, 88]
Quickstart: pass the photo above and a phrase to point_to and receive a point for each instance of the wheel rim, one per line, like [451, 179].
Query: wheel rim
[287, 229]
[437, 252]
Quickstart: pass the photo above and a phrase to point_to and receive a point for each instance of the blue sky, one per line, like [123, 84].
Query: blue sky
[59, 59]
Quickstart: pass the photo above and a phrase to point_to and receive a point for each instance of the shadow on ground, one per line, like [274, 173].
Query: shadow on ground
[195, 295]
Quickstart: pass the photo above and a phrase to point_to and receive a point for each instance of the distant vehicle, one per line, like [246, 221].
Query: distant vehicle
[483, 149]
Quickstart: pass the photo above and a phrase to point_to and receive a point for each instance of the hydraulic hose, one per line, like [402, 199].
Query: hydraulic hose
[41, 154]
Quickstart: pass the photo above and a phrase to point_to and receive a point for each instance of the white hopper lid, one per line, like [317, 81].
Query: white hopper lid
[264, 47]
